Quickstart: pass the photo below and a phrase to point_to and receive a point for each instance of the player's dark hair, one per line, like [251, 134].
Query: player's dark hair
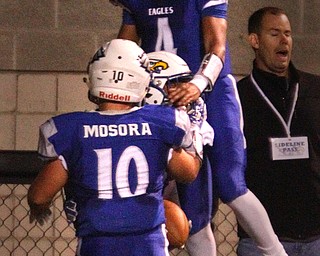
[255, 20]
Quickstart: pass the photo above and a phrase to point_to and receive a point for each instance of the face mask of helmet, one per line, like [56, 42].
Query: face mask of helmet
[167, 70]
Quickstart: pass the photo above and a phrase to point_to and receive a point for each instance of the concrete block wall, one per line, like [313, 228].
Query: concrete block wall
[28, 99]
[54, 35]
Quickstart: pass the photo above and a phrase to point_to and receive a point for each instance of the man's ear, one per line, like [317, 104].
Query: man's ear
[253, 40]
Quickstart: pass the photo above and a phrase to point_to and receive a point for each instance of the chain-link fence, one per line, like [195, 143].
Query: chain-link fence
[18, 237]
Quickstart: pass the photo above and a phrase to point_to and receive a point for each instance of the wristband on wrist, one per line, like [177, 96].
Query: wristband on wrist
[208, 72]
[200, 81]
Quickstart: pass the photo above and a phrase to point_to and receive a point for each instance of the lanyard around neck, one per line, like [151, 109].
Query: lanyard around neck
[285, 125]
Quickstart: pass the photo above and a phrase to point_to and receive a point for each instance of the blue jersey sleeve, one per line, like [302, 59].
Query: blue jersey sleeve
[218, 11]
[127, 18]
[46, 149]
[55, 137]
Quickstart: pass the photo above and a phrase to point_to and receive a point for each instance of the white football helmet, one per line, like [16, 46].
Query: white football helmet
[167, 68]
[118, 72]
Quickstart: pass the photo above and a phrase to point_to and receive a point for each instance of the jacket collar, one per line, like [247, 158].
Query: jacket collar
[268, 81]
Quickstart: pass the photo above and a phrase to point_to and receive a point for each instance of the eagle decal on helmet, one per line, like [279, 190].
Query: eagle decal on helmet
[158, 65]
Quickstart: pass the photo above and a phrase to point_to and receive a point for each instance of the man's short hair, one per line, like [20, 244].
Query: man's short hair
[255, 20]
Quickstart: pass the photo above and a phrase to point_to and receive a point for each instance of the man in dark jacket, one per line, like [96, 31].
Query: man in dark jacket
[282, 126]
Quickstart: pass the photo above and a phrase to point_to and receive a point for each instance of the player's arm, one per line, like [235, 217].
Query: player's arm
[214, 32]
[215, 36]
[185, 162]
[47, 184]
[128, 32]
[128, 29]
[183, 166]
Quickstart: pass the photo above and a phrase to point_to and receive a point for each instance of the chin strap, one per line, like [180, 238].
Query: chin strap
[208, 72]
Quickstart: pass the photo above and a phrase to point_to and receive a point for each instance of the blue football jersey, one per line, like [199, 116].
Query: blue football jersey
[116, 164]
[174, 26]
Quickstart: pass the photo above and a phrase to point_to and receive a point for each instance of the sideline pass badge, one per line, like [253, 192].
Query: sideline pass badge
[289, 148]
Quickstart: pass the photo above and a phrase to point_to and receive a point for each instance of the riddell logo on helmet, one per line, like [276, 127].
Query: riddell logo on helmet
[111, 96]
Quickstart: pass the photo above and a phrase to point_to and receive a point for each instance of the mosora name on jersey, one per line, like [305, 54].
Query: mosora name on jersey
[112, 130]
[160, 11]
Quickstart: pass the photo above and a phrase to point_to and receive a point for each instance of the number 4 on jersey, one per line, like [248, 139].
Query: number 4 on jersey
[165, 37]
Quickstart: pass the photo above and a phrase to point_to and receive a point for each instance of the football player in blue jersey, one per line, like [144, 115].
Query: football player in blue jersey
[196, 31]
[171, 70]
[111, 162]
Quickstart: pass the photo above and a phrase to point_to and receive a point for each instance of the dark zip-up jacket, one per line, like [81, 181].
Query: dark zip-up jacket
[289, 189]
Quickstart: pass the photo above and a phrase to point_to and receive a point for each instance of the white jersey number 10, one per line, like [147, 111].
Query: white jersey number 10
[133, 155]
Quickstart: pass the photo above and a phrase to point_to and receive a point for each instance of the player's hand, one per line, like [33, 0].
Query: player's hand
[183, 94]
[40, 215]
